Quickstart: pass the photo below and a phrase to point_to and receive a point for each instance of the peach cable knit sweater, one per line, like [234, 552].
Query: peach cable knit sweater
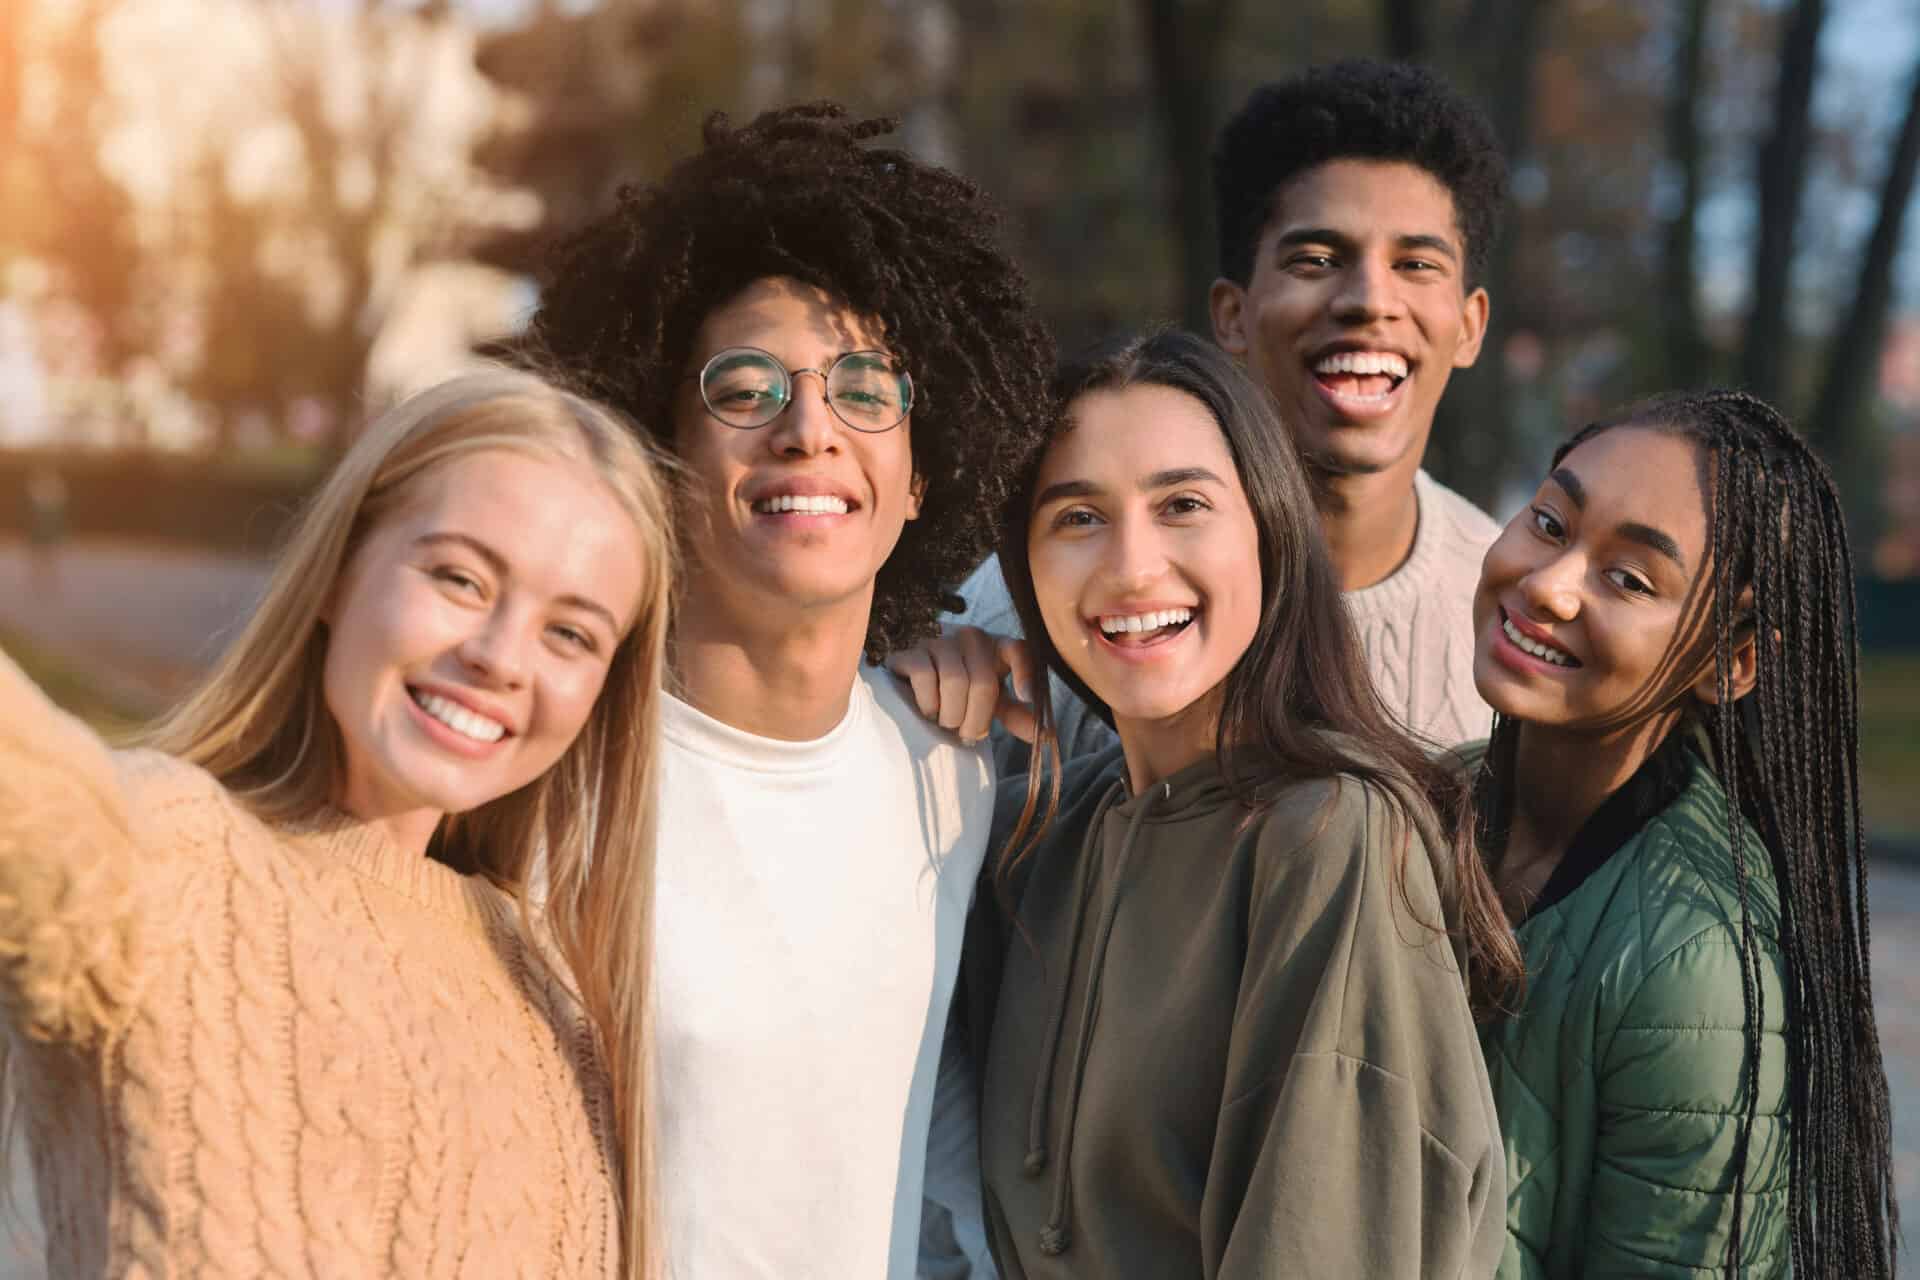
[250, 1051]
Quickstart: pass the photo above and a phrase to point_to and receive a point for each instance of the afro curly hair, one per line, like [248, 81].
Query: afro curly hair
[1356, 109]
[798, 193]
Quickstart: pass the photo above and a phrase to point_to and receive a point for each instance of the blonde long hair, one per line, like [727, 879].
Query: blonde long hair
[259, 721]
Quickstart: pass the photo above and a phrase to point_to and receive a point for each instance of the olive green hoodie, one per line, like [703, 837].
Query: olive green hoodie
[1221, 1047]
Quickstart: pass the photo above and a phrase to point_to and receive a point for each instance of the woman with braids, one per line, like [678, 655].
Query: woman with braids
[1669, 809]
[825, 334]
[276, 998]
[1214, 995]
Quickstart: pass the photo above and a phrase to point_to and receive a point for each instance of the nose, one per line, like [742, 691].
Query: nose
[1369, 291]
[1136, 557]
[806, 428]
[1552, 590]
[494, 653]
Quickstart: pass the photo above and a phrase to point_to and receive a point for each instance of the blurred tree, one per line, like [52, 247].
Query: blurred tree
[1406, 27]
[58, 203]
[1183, 39]
[1473, 436]
[1852, 376]
[1687, 357]
[1781, 185]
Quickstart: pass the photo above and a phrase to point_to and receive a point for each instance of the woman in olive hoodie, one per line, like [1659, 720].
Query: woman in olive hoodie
[1217, 990]
[1672, 816]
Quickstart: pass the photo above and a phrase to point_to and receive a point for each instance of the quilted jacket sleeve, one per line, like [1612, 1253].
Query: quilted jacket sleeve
[1672, 1085]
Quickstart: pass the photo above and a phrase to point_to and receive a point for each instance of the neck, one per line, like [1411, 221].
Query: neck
[1370, 520]
[1560, 779]
[786, 677]
[408, 830]
[1158, 749]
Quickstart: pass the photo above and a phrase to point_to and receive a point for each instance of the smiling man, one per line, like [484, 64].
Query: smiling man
[1357, 204]
[826, 337]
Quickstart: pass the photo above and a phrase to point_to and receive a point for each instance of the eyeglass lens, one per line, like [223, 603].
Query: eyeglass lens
[746, 388]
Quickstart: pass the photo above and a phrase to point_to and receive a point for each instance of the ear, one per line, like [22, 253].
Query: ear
[1474, 315]
[1227, 302]
[1745, 673]
[916, 493]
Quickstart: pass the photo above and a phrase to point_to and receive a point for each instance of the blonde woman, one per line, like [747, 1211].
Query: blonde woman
[272, 997]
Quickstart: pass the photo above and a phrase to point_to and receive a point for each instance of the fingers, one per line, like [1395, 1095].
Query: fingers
[915, 666]
[985, 666]
[1017, 718]
[956, 680]
[1017, 660]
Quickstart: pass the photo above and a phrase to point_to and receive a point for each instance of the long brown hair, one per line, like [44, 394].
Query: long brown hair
[1299, 703]
[259, 724]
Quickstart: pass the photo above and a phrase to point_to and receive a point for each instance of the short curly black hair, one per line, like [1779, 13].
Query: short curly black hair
[798, 193]
[1356, 109]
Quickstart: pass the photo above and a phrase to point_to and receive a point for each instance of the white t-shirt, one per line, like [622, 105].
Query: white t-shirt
[811, 901]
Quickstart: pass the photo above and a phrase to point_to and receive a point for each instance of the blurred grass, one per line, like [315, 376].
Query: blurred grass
[71, 688]
[1890, 745]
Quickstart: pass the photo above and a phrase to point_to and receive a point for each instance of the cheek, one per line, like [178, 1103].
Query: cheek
[568, 698]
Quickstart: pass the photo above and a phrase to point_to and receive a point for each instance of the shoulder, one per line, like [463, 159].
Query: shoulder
[1687, 879]
[183, 806]
[1333, 838]
[897, 718]
[989, 606]
[1452, 517]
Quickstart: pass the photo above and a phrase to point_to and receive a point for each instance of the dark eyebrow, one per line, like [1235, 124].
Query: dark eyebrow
[1179, 475]
[1648, 536]
[1158, 480]
[1341, 240]
[1570, 483]
[498, 563]
[1065, 489]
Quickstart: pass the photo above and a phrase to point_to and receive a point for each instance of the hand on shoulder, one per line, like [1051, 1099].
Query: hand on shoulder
[956, 681]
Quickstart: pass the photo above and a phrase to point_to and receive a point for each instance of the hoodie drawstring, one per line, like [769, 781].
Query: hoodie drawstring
[1058, 1233]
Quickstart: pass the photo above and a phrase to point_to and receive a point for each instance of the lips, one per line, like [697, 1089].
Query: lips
[1359, 379]
[1534, 641]
[801, 496]
[459, 715]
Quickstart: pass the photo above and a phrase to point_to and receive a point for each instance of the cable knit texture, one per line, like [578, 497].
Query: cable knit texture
[250, 1051]
[1416, 624]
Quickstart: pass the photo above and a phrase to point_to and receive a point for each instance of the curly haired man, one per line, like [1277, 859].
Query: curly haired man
[827, 338]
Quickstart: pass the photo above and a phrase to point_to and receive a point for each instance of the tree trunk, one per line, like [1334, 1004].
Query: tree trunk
[1853, 367]
[1184, 38]
[1473, 435]
[1686, 350]
[1406, 27]
[1782, 181]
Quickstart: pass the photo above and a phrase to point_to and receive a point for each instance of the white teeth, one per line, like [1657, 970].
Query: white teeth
[808, 506]
[1363, 362]
[1527, 645]
[457, 718]
[1117, 624]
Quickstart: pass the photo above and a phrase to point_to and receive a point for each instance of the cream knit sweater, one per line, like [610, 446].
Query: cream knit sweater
[250, 1051]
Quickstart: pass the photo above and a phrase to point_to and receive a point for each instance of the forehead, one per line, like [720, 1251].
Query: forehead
[795, 321]
[1117, 437]
[1646, 477]
[554, 521]
[1367, 199]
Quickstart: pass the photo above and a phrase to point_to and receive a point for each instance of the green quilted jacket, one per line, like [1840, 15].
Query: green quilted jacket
[1620, 1084]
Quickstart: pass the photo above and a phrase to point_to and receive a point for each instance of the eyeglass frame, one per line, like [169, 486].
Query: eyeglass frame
[699, 378]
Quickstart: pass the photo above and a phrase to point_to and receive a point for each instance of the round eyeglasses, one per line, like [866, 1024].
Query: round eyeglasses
[746, 388]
